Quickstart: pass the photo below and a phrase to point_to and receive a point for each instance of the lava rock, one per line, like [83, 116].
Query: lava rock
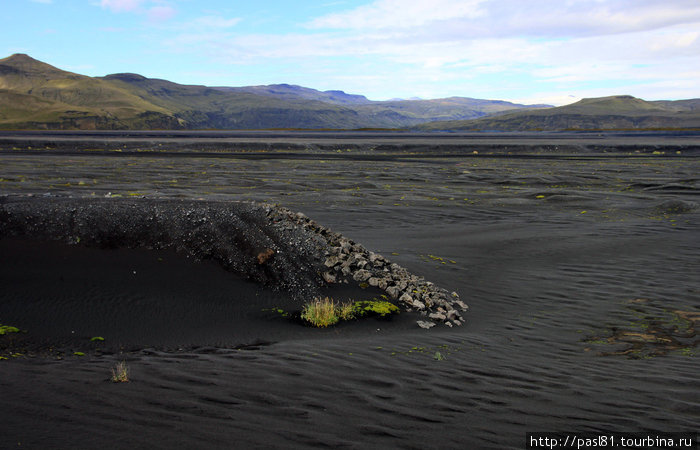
[437, 316]
[424, 324]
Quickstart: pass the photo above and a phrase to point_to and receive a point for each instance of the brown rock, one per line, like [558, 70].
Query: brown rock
[265, 255]
[453, 315]
[329, 277]
[437, 316]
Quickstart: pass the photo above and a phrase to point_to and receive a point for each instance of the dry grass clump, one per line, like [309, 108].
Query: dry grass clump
[346, 311]
[320, 312]
[324, 312]
[120, 373]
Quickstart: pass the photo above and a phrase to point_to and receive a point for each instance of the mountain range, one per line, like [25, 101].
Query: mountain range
[36, 95]
[620, 112]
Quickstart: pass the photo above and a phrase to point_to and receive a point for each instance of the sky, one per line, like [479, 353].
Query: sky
[527, 51]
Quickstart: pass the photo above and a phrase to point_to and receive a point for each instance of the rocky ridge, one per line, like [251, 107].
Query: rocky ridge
[348, 261]
[265, 243]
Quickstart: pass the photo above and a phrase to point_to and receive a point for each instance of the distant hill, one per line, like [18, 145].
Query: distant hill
[392, 113]
[396, 113]
[679, 105]
[293, 92]
[199, 107]
[36, 95]
[604, 113]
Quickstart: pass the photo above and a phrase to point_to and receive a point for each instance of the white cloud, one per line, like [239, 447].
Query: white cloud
[548, 98]
[496, 32]
[383, 14]
[160, 13]
[434, 48]
[210, 33]
[502, 18]
[154, 10]
[576, 18]
[121, 5]
[676, 41]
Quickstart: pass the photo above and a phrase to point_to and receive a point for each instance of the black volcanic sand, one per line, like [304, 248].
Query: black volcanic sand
[92, 264]
[63, 296]
[348, 145]
[581, 276]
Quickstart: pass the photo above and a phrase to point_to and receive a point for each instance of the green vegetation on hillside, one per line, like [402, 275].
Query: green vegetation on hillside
[36, 95]
[605, 113]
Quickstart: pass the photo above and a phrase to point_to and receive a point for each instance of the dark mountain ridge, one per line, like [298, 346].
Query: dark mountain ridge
[294, 92]
[619, 112]
[36, 95]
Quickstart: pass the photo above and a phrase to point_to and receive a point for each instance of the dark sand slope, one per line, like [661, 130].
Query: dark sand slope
[581, 277]
[282, 251]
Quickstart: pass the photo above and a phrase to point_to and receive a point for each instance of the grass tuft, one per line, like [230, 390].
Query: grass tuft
[321, 312]
[120, 373]
[346, 311]
[324, 312]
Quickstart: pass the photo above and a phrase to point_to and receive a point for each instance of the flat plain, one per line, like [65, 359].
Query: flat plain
[577, 253]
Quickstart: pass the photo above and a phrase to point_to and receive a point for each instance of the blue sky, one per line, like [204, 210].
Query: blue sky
[535, 51]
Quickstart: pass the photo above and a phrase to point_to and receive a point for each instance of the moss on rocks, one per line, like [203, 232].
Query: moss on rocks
[374, 308]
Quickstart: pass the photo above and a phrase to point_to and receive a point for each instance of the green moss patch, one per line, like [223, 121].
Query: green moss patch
[326, 312]
[6, 329]
[277, 311]
[380, 308]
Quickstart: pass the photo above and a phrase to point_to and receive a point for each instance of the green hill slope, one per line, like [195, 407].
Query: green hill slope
[390, 114]
[37, 95]
[205, 107]
[604, 113]
[411, 112]
[34, 94]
